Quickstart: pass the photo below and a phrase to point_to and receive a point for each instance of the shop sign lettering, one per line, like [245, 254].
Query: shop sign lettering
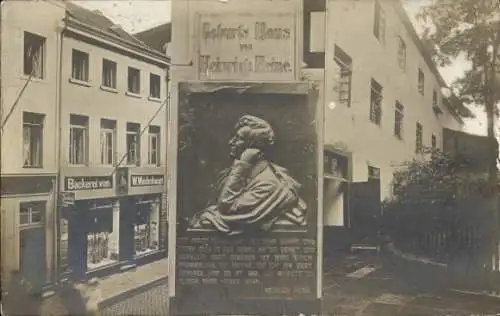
[251, 47]
[88, 183]
[146, 180]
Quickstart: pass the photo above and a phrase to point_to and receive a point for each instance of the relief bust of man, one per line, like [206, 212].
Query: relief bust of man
[253, 194]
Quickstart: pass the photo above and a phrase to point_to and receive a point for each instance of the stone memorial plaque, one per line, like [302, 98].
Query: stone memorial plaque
[246, 240]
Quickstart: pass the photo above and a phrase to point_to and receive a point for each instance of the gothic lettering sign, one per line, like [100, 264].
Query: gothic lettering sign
[247, 47]
[141, 180]
[247, 202]
[88, 183]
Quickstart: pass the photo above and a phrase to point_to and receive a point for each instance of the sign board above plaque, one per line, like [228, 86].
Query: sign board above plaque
[253, 47]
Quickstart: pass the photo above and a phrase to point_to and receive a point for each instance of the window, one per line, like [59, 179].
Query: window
[421, 82]
[402, 54]
[434, 98]
[398, 120]
[376, 103]
[418, 138]
[80, 65]
[434, 141]
[34, 46]
[154, 146]
[109, 73]
[78, 139]
[344, 77]
[32, 139]
[154, 86]
[133, 144]
[31, 213]
[134, 80]
[108, 136]
[379, 22]
[373, 173]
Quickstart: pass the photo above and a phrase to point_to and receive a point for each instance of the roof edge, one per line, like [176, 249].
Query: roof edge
[460, 110]
[143, 50]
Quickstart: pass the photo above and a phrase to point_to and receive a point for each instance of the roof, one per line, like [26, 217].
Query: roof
[157, 36]
[102, 23]
[454, 103]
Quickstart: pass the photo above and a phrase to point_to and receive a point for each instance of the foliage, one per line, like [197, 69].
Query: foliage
[436, 177]
[468, 28]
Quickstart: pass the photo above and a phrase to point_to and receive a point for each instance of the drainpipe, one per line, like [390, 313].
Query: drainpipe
[57, 232]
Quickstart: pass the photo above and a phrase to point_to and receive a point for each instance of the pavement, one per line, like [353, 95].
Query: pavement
[118, 287]
[391, 285]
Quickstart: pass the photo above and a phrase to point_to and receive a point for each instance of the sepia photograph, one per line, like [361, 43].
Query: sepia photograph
[250, 157]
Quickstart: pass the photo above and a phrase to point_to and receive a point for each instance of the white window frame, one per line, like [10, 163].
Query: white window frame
[73, 157]
[135, 86]
[34, 55]
[402, 53]
[108, 73]
[343, 82]
[154, 138]
[135, 159]
[32, 121]
[376, 103]
[151, 90]
[421, 82]
[107, 150]
[30, 206]
[399, 116]
[80, 65]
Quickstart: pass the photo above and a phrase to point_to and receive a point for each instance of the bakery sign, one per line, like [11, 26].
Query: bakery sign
[247, 46]
[88, 183]
[146, 180]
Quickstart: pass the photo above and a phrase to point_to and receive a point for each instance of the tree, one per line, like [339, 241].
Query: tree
[471, 28]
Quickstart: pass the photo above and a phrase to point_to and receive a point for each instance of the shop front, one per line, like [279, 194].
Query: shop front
[111, 225]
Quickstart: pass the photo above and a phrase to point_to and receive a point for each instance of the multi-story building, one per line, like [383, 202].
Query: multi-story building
[113, 126]
[90, 124]
[29, 104]
[383, 97]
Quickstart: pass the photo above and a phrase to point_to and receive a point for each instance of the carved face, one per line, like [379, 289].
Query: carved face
[238, 143]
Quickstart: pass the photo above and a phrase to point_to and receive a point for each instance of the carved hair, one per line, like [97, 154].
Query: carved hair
[260, 132]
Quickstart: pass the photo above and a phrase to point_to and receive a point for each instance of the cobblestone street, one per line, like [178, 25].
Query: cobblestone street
[152, 301]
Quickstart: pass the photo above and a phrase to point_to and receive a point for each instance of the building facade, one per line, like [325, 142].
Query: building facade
[113, 130]
[383, 98]
[86, 109]
[29, 116]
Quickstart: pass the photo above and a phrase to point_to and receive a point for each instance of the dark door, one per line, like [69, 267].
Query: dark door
[32, 256]
[365, 210]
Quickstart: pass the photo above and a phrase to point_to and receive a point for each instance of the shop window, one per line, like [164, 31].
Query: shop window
[109, 73]
[99, 239]
[154, 86]
[80, 65]
[154, 146]
[108, 136]
[34, 46]
[146, 225]
[32, 139]
[31, 213]
[78, 139]
[134, 80]
[133, 144]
